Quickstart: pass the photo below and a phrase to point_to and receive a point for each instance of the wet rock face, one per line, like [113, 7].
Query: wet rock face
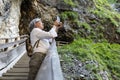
[33, 9]
[49, 2]
[4, 7]
[116, 7]
[60, 4]
[44, 9]
[9, 17]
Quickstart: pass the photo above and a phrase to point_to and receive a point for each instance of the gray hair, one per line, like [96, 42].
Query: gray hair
[32, 23]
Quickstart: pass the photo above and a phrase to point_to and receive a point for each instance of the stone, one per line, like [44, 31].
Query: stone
[9, 19]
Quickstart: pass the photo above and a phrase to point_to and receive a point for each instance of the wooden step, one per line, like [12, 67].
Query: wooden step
[21, 66]
[17, 70]
[26, 62]
[13, 78]
[15, 74]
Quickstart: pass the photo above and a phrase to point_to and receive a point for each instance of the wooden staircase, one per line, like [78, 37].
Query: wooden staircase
[19, 71]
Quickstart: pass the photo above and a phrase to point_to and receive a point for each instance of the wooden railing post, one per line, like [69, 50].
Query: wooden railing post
[15, 40]
[6, 41]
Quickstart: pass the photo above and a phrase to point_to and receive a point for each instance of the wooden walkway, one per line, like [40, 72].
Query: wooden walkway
[19, 71]
[10, 50]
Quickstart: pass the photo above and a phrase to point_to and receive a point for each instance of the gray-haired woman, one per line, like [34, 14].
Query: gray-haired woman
[39, 52]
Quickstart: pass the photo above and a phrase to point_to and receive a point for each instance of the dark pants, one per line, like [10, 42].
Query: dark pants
[34, 64]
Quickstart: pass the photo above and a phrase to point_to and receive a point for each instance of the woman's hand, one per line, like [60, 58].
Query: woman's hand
[58, 24]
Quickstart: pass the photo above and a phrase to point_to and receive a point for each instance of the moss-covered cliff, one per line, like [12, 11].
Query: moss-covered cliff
[97, 20]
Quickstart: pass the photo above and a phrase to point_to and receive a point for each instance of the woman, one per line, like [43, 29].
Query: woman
[40, 51]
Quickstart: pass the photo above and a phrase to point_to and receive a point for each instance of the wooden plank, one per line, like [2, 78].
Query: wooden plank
[21, 66]
[18, 70]
[24, 62]
[13, 78]
[61, 43]
[15, 74]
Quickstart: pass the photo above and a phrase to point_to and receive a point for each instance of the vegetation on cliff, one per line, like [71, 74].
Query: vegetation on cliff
[96, 22]
[106, 13]
[105, 55]
[95, 47]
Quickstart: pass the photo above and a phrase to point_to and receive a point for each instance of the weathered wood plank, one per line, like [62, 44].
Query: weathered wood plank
[18, 70]
[21, 66]
[13, 78]
[15, 74]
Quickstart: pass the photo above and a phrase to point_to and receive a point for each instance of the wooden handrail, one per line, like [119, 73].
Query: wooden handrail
[2, 46]
[11, 49]
[61, 43]
[22, 36]
[8, 41]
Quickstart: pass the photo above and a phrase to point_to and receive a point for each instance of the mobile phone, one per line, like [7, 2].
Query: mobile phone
[58, 18]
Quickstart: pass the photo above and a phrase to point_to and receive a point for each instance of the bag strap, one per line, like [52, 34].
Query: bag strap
[36, 43]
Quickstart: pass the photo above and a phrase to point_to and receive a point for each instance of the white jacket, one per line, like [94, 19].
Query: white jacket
[44, 37]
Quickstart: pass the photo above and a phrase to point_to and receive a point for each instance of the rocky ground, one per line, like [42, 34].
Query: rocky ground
[74, 69]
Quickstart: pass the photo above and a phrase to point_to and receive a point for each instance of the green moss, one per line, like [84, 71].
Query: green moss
[105, 54]
[100, 2]
[118, 30]
[112, 1]
[104, 11]
[73, 17]
[70, 2]
[70, 15]
[85, 25]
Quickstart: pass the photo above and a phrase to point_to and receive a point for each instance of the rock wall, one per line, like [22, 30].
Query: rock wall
[31, 9]
[15, 16]
[9, 18]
